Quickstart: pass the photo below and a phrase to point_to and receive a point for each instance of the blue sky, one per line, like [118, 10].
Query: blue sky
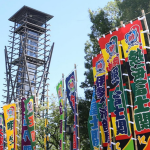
[69, 29]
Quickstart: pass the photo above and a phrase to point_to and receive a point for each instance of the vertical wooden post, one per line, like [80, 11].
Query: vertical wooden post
[18, 119]
[35, 109]
[77, 104]
[131, 102]
[132, 111]
[146, 26]
[47, 116]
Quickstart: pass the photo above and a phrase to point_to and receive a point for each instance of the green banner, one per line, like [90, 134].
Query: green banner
[29, 115]
[59, 89]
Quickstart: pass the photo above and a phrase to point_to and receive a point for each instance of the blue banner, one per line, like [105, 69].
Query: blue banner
[71, 95]
[93, 127]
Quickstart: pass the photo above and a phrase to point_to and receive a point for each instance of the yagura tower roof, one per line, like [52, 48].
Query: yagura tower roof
[36, 14]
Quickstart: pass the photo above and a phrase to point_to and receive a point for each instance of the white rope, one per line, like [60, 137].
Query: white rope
[128, 90]
[122, 59]
[133, 139]
[141, 18]
[130, 105]
[147, 47]
[125, 74]
[113, 143]
[145, 31]
[131, 21]
[131, 122]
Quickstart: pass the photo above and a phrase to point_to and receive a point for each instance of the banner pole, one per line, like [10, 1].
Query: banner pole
[17, 117]
[146, 25]
[35, 109]
[47, 118]
[131, 102]
[64, 100]
[75, 70]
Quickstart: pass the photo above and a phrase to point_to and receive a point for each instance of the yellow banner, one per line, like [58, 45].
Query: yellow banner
[11, 125]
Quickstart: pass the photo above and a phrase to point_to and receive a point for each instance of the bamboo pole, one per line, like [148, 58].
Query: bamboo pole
[146, 26]
[47, 117]
[77, 105]
[64, 100]
[18, 119]
[65, 94]
[34, 107]
[132, 111]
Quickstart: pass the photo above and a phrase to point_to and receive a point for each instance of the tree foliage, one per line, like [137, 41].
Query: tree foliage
[53, 127]
[103, 20]
[100, 25]
[130, 9]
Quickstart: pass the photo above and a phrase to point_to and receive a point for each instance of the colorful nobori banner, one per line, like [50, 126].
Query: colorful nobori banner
[25, 141]
[101, 99]
[122, 132]
[11, 126]
[30, 120]
[133, 44]
[60, 94]
[2, 131]
[131, 38]
[93, 125]
[71, 95]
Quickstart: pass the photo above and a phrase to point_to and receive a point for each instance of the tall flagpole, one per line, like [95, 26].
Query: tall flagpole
[75, 70]
[63, 130]
[17, 118]
[47, 118]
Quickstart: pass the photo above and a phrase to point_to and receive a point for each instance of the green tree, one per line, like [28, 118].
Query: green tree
[112, 11]
[83, 108]
[130, 9]
[53, 127]
[101, 25]
[102, 22]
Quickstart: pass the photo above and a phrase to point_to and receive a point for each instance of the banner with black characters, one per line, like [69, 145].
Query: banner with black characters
[2, 132]
[133, 44]
[60, 94]
[30, 120]
[101, 99]
[11, 126]
[71, 95]
[122, 132]
[93, 125]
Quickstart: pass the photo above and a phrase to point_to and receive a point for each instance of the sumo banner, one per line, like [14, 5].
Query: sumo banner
[118, 107]
[30, 120]
[11, 126]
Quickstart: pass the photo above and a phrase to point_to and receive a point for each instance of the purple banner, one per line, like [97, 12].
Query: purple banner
[26, 144]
